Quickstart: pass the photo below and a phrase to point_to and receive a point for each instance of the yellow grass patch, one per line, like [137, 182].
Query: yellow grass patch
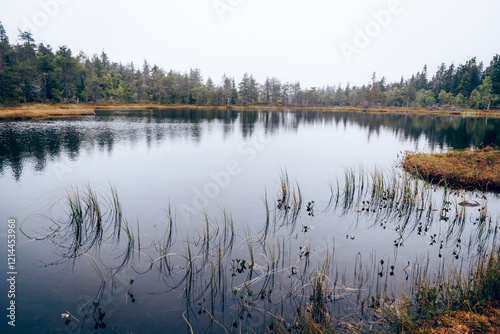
[33, 111]
[469, 169]
[40, 110]
[487, 321]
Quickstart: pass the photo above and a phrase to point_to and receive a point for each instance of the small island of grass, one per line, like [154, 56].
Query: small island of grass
[466, 169]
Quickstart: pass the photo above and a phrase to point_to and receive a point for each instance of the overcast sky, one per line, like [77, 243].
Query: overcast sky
[318, 42]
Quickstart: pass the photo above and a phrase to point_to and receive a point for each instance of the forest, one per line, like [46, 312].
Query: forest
[38, 73]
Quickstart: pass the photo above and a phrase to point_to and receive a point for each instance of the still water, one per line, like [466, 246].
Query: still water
[227, 217]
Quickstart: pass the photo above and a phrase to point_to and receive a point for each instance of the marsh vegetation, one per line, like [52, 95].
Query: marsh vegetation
[293, 240]
[279, 276]
[468, 169]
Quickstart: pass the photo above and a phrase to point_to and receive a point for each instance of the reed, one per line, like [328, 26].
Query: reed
[452, 302]
[116, 212]
[229, 232]
[266, 225]
[127, 255]
[165, 244]
[289, 202]
[248, 238]
[301, 289]
[85, 221]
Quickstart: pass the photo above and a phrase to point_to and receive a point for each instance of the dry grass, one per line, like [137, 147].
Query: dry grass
[389, 110]
[421, 111]
[469, 169]
[455, 305]
[150, 106]
[40, 110]
[487, 321]
[303, 324]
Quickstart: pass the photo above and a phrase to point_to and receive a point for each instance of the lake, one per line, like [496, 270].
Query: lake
[217, 220]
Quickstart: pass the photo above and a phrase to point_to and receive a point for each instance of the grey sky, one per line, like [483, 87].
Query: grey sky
[316, 41]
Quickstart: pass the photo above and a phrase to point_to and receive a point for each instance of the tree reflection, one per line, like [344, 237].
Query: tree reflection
[36, 142]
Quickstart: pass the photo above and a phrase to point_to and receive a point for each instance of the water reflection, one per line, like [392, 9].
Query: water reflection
[36, 143]
[225, 276]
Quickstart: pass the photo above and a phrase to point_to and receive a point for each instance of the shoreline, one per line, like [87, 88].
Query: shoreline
[40, 111]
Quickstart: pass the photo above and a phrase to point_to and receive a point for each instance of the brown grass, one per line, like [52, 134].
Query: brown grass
[40, 110]
[389, 110]
[457, 304]
[468, 169]
[150, 106]
[487, 321]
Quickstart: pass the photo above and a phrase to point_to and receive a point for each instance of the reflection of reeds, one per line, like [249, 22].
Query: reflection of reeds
[266, 225]
[88, 221]
[164, 245]
[319, 294]
[127, 253]
[289, 202]
[349, 187]
[86, 218]
[450, 297]
[93, 263]
[228, 232]
[334, 195]
[116, 212]
[408, 203]
[275, 274]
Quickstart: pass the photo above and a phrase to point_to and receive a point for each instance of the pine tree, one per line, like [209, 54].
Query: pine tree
[67, 69]
[244, 89]
[468, 77]
[46, 73]
[7, 57]
[493, 71]
[25, 65]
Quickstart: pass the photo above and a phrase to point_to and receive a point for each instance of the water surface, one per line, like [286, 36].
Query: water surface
[212, 165]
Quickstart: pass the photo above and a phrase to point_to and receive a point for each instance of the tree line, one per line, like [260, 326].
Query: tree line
[36, 73]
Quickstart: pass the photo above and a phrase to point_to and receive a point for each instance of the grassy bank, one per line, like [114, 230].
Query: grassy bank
[468, 169]
[456, 304]
[40, 110]
[394, 110]
[469, 304]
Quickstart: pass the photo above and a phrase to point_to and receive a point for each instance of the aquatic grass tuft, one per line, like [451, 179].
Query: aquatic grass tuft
[289, 202]
[227, 274]
[443, 303]
[164, 245]
[85, 221]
